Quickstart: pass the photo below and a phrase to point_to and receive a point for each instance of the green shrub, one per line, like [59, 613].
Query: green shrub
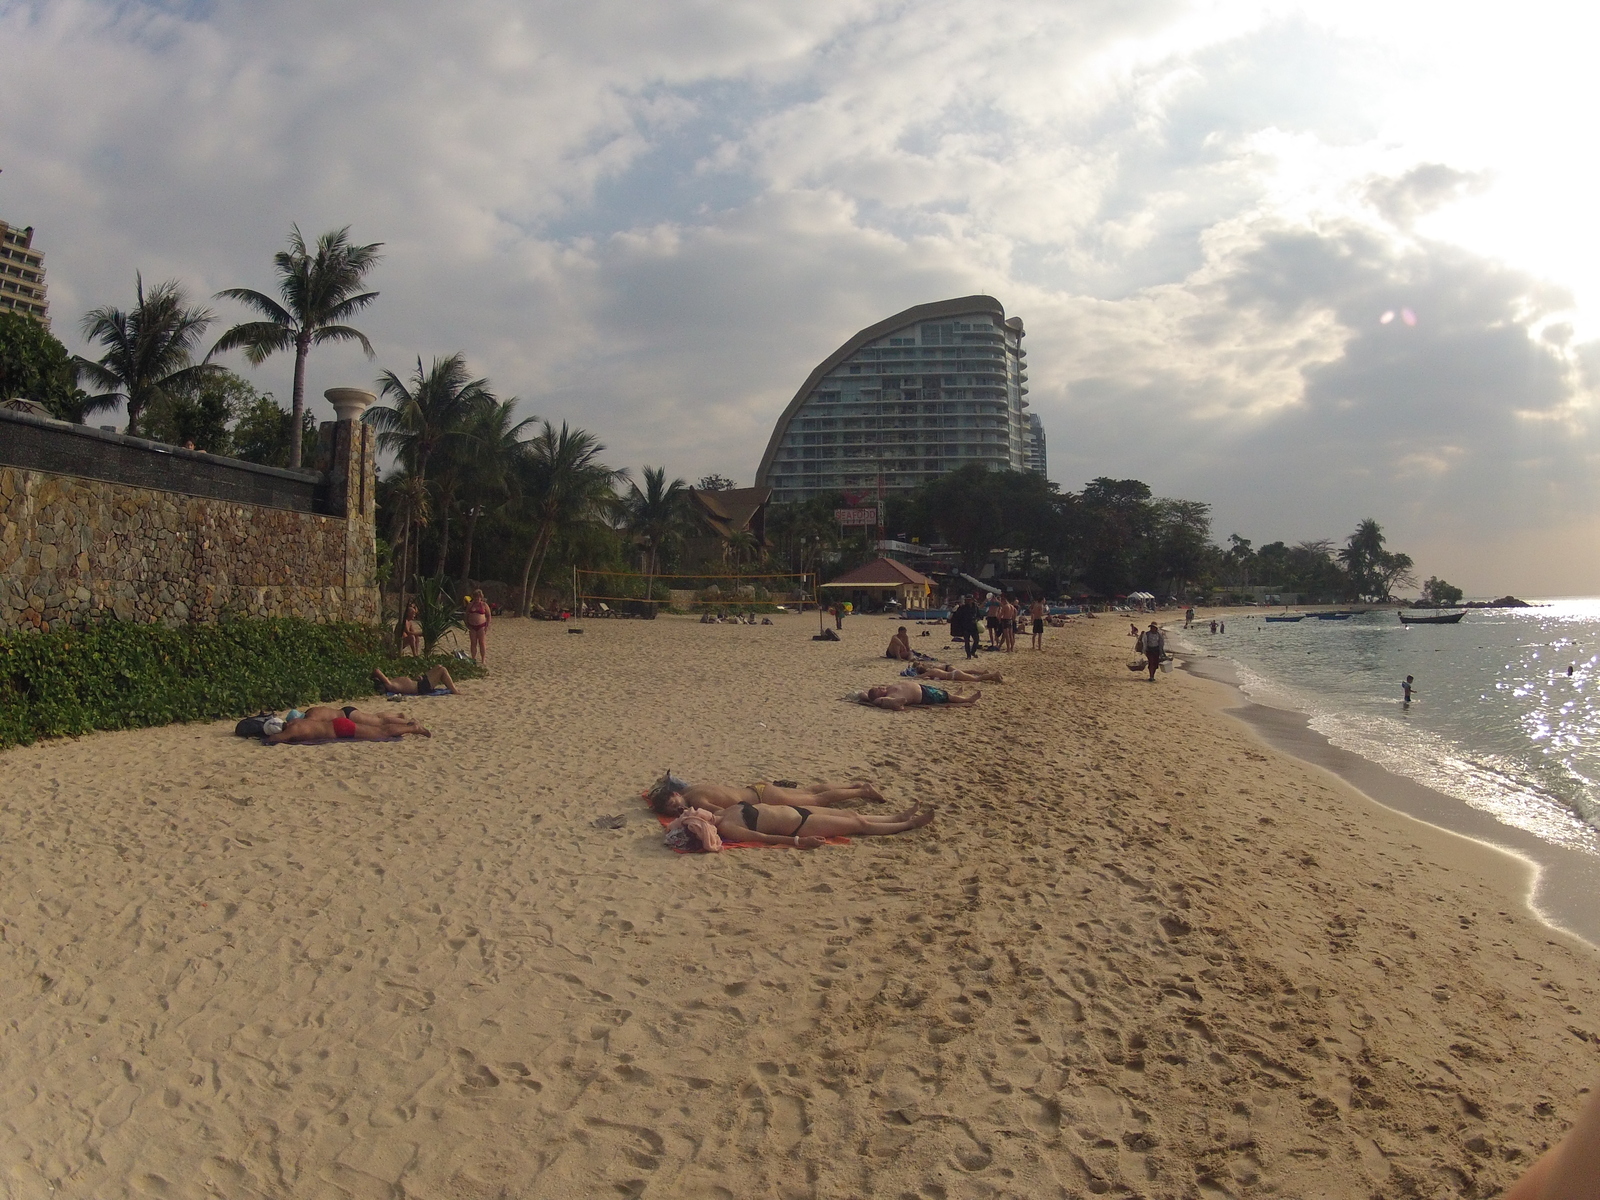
[117, 675]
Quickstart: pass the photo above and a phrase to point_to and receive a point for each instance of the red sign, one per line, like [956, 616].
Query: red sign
[856, 516]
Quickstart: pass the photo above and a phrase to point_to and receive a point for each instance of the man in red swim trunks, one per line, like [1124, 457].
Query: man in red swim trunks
[321, 725]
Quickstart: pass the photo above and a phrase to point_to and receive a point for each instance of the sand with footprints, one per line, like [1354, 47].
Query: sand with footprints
[1137, 954]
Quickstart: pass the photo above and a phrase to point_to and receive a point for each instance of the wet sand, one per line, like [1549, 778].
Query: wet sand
[1140, 952]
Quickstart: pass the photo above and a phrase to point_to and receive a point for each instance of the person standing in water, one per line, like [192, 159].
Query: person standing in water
[1406, 689]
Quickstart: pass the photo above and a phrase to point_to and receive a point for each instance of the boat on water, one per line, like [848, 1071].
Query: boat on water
[1436, 619]
[1295, 617]
[1333, 616]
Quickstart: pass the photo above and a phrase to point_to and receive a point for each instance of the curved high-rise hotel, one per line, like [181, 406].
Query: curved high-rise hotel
[921, 393]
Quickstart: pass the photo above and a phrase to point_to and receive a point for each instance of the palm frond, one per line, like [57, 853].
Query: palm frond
[269, 308]
[343, 333]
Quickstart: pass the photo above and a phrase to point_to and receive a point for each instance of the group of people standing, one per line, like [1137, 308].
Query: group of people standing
[1002, 616]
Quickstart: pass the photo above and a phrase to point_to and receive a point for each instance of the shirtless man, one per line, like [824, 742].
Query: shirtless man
[899, 646]
[318, 729]
[393, 724]
[1037, 612]
[671, 795]
[428, 682]
[950, 674]
[1008, 625]
[905, 694]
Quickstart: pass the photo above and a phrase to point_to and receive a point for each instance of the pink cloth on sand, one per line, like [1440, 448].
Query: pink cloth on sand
[701, 824]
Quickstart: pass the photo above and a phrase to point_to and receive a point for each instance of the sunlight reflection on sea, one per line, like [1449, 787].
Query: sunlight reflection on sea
[1497, 723]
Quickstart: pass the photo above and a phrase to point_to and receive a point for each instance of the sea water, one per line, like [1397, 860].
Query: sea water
[1497, 722]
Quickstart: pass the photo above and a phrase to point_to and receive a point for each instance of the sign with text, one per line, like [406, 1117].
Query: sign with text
[856, 516]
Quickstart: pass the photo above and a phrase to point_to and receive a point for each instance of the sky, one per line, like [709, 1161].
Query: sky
[652, 221]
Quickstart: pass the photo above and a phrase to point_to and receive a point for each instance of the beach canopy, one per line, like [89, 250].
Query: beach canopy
[978, 583]
[1140, 596]
[881, 573]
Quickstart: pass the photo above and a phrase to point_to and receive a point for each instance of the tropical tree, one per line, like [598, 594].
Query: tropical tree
[564, 482]
[1441, 594]
[1373, 570]
[654, 515]
[406, 497]
[494, 446]
[149, 349]
[321, 289]
[715, 483]
[35, 366]
[427, 419]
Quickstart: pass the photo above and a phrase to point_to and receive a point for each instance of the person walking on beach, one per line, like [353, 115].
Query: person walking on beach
[1037, 609]
[1406, 689]
[1155, 645]
[838, 614]
[964, 625]
[991, 619]
[477, 616]
[1008, 625]
[1188, 617]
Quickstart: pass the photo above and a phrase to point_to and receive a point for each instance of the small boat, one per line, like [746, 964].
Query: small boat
[1438, 619]
[1333, 616]
[1295, 617]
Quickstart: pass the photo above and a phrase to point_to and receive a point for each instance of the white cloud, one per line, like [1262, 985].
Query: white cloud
[654, 219]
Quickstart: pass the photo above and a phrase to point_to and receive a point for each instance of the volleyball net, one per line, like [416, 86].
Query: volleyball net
[592, 588]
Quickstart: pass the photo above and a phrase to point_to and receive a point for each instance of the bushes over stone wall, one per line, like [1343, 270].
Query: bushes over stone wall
[117, 675]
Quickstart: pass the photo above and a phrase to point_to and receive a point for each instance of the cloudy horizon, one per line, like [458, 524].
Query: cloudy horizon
[653, 221]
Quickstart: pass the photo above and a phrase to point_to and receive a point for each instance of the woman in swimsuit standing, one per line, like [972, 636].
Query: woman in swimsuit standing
[478, 627]
[788, 825]
[411, 639]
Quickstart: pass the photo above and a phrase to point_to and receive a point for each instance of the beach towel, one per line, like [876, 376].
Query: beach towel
[396, 697]
[666, 823]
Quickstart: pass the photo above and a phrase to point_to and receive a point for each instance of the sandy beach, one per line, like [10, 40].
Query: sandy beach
[1138, 954]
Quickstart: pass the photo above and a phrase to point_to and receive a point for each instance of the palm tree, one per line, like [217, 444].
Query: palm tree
[321, 288]
[149, 350]
[427, 419]
[655, 516]
[564, 482]
[489, 469]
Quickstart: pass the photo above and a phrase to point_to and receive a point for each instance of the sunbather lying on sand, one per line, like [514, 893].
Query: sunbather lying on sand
[393, 724]
[342, 724]
[957, 674]
[783, 825]
[429, 681]
[671, 795]
[905, 694]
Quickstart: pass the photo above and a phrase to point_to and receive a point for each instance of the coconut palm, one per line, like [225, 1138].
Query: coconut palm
[321, 289]
[428, 418]
[564, 482]
[654, 515]
[149, 349]
[495, 445]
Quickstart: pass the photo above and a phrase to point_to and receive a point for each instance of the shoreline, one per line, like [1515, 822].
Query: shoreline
[1560, 883]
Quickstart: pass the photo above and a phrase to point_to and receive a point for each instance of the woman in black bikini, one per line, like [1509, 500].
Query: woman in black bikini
[797, 826]
[670, 795]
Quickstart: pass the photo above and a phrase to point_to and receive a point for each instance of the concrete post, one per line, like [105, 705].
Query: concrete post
[350, 447]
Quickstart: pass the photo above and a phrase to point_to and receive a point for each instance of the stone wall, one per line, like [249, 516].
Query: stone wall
[75, 548]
